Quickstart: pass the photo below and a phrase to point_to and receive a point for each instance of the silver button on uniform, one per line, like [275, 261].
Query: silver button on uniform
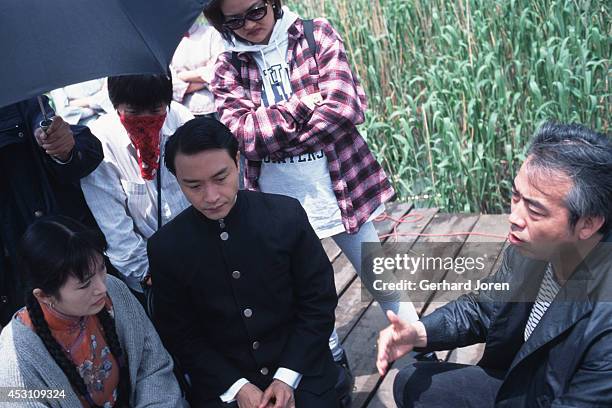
[38, 213]
[224, 236]
[255, 345]
[236, 274]
[248, 313]
[264, 370]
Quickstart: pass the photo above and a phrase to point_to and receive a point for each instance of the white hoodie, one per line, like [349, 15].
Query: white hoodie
[271, 60]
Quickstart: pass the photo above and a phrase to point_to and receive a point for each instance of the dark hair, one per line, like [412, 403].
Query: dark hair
[140, 91]
[50, 251]
[198, 135]
[584, 156]
[215, 17]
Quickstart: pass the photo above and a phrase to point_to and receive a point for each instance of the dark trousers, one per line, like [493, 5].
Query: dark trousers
[303, 399]
[434, 384]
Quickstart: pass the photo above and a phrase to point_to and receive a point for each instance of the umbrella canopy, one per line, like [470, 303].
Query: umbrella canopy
[49, 44]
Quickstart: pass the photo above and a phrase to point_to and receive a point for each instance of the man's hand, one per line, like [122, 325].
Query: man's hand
[397, 340]
[249, 396]
[312, 100]
[279, 394]
[58, 140]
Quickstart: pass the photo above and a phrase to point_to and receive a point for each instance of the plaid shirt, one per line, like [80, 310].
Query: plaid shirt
[290, 128]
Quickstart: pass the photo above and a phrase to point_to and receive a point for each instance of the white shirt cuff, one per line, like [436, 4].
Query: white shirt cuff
[289, 377]
[230, 394]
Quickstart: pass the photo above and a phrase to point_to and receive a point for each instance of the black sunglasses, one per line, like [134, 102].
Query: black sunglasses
[255, 14]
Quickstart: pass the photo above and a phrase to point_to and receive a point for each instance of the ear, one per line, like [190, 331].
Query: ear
[238, 158]
[588, 226]
[42, 297]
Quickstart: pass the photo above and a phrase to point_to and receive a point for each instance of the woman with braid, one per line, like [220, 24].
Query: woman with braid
[82, 333]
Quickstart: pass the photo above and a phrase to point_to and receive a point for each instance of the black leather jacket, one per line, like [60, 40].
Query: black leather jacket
[567, 360]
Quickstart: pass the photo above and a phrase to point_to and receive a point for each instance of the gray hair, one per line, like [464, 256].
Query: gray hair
[583, 155]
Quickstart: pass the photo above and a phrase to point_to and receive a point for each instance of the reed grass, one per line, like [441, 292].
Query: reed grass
[457, 88]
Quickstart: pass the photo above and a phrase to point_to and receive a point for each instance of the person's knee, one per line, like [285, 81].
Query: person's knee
[400, 382]
[413, 383]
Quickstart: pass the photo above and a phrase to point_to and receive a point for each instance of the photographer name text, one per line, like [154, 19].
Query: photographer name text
[407, 285]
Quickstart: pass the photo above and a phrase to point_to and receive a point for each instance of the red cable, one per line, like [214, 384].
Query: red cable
[418, 217]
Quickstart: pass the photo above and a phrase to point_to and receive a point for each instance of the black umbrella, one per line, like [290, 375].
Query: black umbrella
[47, 44]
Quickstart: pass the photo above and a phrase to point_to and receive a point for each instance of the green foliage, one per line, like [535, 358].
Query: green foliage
[457, 88]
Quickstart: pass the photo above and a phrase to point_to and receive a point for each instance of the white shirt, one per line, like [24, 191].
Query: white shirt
[199, 52]
[122, 202]
[289, 377]
[95, 90]
[305, 178]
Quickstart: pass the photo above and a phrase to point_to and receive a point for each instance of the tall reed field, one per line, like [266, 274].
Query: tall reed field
[457, 87]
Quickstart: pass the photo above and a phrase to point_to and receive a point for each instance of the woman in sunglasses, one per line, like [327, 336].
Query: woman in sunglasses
[294, 108]
[82, 339]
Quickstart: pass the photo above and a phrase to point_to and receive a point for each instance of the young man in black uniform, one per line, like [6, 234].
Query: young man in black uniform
[244, 292]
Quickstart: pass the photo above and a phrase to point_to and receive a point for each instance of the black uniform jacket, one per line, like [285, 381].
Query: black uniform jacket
[567, 360]
[245, 295]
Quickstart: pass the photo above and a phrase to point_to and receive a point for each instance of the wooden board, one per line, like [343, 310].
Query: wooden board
[360, 339]
[360, 347]
[352, 303]
[439, 228]
[383, 397]
[395, 210]
[441, 224]
[331, 249]
[487, 248]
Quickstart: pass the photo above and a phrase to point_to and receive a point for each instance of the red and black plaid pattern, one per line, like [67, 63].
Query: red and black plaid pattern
[290, 128]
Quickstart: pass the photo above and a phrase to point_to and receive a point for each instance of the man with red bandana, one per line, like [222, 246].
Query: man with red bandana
[123, 192]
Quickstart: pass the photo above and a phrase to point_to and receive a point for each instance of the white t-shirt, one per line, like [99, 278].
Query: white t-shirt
[305, 178]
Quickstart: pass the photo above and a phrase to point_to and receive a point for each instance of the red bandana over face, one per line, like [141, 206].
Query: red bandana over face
[144, 134]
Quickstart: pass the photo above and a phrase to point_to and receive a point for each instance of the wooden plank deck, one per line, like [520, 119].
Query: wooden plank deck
[359, 320]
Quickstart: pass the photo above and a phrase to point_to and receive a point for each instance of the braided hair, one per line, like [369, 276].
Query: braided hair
[52, 346]
[110, 335]
[50, 251]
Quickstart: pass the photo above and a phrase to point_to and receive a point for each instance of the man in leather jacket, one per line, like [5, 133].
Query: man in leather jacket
[549, 338]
